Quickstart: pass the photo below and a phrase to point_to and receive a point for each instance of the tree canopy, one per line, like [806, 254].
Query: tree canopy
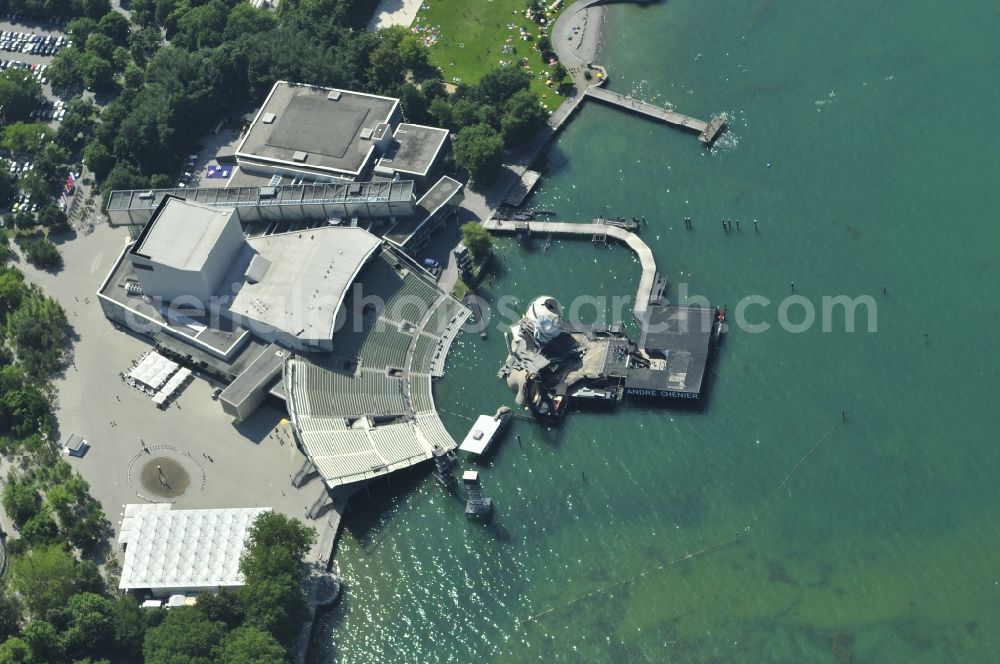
[186, 636]
[45, 578]
[43, 254]
[479, 149]
[20, 93]
[477, 240]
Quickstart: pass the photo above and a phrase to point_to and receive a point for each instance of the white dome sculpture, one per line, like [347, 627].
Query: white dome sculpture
[544, 318]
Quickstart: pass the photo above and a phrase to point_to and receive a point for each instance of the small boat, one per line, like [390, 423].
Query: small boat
[594, 394]
[719, 324]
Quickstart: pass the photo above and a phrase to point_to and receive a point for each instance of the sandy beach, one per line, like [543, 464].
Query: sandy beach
[394, 12]
[576, 35]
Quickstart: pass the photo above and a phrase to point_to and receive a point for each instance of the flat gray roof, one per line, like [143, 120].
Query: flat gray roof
[414, 148]
[326, 124]
[439, 194]
[308, 275]
[183, 234]
[209, 332]
[379, 191]
[264, 368]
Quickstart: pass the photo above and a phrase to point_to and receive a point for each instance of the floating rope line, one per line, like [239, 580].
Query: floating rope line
[622, 582]
[737, 538]
[807, 455]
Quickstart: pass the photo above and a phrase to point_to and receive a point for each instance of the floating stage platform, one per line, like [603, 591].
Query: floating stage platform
[552, 364]
[479, 441]
[676, 346]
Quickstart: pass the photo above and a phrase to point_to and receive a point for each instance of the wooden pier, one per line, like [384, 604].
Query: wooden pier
[473, 303]
[707, 131]
[648, 280]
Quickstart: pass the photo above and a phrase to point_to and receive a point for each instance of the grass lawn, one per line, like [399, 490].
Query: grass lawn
[467, 39]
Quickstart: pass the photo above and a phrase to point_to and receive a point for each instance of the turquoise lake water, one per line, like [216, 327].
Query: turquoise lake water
[882, 544]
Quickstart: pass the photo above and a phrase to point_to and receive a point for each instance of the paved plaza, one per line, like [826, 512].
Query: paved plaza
[218, 463]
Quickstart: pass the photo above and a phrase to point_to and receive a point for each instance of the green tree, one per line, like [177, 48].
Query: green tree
[477, 240]
[101, 45]
[64, 72]
[271, 532]
[143, 45]
[98, 159]
[20, 94]
[202, 27]
[44, 578]
[62, 503]
[44, 642]
[129, 628]
[143, 12]
[223, 606]
[37, 331]
[24, 410]
[7, 181]
[95, 9]
[414, 103]
[43, 254]
[53, 218]
[97, 73]
[276, 603]
[249, 644]
[10, 616]
[544, 45]
[12, 289]
[34, 185]
[25, 139]
[115, 26]
[499, 85]
[76, 125]
[245, 19]
[20, 497]
[90, 631]
[524, 115]
[479, 150]
[186, 636]
[15, 651]
[79, 29]
[440, 111]
[52, 164]
[40, 529]
[90, 529]
[272, 595]
[559, 72]
[464, 113]
[22, 219]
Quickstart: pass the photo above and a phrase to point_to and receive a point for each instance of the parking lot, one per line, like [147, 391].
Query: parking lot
[17, 41]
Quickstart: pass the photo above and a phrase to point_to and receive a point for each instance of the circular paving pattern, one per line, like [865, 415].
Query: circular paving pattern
[164, 477]
[162, 473]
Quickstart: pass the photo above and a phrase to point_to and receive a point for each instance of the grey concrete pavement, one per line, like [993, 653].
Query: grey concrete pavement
[244, 465]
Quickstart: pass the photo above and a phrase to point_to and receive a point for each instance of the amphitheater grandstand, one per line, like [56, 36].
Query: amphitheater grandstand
[366, 408]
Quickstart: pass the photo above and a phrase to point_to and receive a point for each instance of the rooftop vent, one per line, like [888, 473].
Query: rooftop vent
[146, 195]
[267, 192]
[257, 269]
[334, 95]
[366, 134]
[268, 118]
[354, 189]
[299, 156]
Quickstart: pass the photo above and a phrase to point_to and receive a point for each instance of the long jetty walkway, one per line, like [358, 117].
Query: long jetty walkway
[647, 281]
[707, 131]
